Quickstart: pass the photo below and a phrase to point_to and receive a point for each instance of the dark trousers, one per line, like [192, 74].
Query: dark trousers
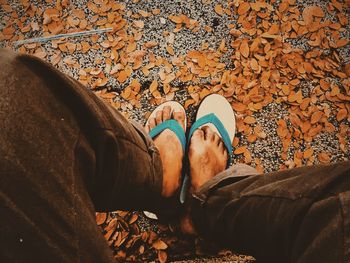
[65, 154]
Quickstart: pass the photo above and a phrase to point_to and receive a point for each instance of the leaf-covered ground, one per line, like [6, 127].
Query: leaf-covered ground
[283, 65]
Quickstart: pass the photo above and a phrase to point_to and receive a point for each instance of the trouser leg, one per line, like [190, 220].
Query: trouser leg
[63, 155]
[299, 215]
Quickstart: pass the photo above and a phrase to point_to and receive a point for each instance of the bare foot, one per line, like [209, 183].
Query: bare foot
[170, 149]
[207, 157]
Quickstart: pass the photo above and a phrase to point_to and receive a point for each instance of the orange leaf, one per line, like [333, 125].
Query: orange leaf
[154, 85]
[244, 48]
[294, 82]
[237, 106]
[126, 93]
[274, 29]
[175, 19]
[308, 153]
[251, 138]
[249, 120]
[254, 64]
[133, 218]
[160, 245]
[316, 116]
[305, 103]
[324, 85]
[124, 75]
[324, 157]
[342, 114]
[342, 42]
[285, 89]
[151, 44]
[247, 157]
[101, 218]
[329, 127]
[170, 50]
[162, 256]
[139, 23]
[235, 142]
[283, 6]
[189, 102]
[240, 150]
[311, 11]
[218, 9]
[243, 8]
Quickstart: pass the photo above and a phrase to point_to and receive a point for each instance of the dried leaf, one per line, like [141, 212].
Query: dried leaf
[316, 116]
[341, 42]
[237, 106]
[308, 153]
[170, 50]
[342, 114]
[218, 9]
[160, 245]
[162, 256]
[133, 218]
[254, 64]
[151, 44]
[175, 19]
[243, 8]
[324, 157]
[249, 120]
[244, 48]
[240, 150]
[139, 24]
[154, 85]
[101, 218]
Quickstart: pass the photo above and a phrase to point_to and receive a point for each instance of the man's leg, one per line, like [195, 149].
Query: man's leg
[299, 215]
[63, 155]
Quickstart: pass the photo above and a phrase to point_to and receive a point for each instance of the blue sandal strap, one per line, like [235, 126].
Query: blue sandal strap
[211, 118]
[172, 125]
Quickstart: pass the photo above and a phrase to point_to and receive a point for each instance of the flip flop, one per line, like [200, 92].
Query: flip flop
[170, 124]
[216, 112]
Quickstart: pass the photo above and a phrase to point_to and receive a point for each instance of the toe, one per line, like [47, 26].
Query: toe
[208, 133]
[197, 140]
[180, 118]
[198, 134]
[217, 138]
[166, 113]
[152, 123]
[159, 117]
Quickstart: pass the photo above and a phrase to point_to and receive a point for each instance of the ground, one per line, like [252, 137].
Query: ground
[283, 65]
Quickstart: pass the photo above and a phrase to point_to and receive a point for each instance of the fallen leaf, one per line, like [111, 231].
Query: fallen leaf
[101, 218]
[240, 150]
[324, 157]
[243, 8]
[316, 116]
[249, 120]
[175, 19]
[159, 245]
[162, 256]
[139, 24]
[154, 85]
[244, 49]
[218, 9]
[342, 114]
[308, 153]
